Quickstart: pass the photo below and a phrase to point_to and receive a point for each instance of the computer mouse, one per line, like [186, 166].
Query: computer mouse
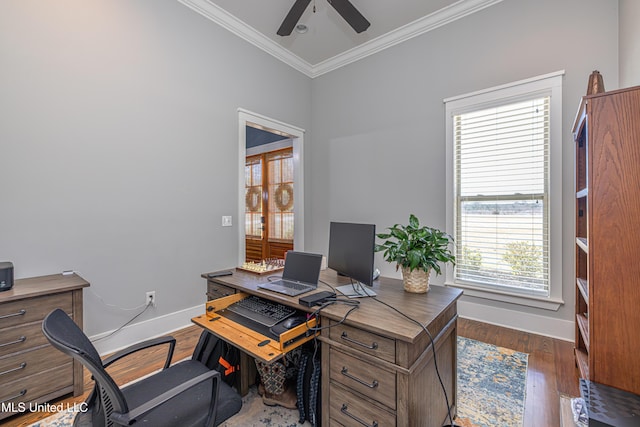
[293, 321]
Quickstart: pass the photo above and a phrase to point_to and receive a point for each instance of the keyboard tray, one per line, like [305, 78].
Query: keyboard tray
[253, 342]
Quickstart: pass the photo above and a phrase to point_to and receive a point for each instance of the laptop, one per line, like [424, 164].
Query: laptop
[300, 275]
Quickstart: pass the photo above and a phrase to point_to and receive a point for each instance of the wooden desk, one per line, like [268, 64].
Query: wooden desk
[377, 365]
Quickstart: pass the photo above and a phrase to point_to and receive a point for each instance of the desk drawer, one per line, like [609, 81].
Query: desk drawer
[32, 309]
[36, 386]
[20, 338]
[23, 364]
[216, 290]
[371, 381]
[376, 345]
[350, 410]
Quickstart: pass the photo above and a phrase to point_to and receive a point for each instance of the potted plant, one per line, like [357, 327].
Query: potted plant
[416, 250]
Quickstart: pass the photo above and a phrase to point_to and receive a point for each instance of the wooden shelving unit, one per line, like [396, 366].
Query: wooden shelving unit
[607, 217]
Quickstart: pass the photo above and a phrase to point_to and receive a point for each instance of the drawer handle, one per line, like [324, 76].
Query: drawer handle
[371, 346]
[22, 366]
[18, 341]
[346, 412]
[20, 313]
[8, 399]
[346, 373]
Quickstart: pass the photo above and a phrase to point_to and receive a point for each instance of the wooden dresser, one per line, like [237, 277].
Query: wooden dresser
[378, 366]
[607, 215]
[31, 371]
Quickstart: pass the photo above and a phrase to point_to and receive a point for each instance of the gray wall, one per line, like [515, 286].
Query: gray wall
[118, 133]
[119, 142]
[629, 43]
[379, 139]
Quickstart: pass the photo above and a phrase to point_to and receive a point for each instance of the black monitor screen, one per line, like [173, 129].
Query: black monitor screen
[351, 250]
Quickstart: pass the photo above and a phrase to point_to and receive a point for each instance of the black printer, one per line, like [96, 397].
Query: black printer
[6, 276]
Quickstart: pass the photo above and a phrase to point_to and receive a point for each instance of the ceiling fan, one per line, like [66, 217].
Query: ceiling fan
[344, 7]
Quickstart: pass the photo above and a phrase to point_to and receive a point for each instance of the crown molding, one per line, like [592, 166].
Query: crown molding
[248, 33]
[420, 26]
[413, 29]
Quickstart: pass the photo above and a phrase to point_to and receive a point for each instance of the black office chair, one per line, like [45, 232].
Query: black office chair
[185, 394]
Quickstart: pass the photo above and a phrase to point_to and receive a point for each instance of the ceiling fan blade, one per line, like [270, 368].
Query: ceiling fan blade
[293, 17]
[350, 14]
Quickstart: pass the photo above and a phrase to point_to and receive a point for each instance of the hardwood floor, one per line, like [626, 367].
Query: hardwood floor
[552, 370]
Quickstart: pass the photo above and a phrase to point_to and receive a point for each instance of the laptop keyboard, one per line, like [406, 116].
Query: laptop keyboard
[292, 285]
[261, 310]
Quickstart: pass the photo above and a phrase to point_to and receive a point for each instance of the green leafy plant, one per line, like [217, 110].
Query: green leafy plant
[416, 247]
[470, 258]
[524, 258]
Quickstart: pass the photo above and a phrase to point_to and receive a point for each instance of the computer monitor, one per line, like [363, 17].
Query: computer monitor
[351, 250]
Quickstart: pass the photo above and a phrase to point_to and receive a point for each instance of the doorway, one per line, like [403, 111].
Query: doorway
[269, 216]
[271, 202]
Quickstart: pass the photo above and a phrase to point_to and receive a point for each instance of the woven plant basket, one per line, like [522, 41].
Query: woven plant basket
[416, 281]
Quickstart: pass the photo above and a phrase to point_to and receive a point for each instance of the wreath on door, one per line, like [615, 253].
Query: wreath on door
[283, 197]
[253, 199]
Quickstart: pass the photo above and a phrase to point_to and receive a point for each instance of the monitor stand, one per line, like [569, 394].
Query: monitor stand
[357, 290]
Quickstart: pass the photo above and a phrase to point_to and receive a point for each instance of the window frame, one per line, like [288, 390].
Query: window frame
[544, 85]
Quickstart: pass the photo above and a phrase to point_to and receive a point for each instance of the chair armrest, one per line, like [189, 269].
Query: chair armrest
[141, 346]
[135, 413]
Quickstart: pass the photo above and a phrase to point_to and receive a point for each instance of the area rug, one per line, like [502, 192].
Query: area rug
[491, 392]
[491, 385]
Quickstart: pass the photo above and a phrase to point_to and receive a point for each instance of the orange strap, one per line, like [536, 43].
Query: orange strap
[228, 368]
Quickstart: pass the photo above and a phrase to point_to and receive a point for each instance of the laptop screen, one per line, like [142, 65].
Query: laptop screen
[302, 267]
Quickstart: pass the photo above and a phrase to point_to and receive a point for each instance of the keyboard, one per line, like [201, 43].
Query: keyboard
[260, 310]
[293, 285]
[287, 287]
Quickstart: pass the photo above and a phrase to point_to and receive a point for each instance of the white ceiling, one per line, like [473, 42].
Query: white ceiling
[330, 42]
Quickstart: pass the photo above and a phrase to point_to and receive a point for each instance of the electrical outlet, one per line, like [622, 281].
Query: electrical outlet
[151, 298]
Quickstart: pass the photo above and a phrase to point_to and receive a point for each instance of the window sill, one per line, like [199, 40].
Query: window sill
[549, 303]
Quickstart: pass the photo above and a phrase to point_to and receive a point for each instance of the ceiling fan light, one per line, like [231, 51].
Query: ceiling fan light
[301, 28]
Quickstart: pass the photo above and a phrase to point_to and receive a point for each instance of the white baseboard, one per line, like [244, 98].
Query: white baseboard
[532, 323]
[145, 330]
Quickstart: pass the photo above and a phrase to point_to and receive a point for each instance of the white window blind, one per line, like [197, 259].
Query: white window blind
[501, 163]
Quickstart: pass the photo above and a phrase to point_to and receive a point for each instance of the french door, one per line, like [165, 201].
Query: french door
[269, 204]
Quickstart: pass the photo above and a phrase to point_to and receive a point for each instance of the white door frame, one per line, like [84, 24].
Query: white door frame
[296, 134]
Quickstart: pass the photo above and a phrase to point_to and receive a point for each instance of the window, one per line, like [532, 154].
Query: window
[253, 196]
[280, 194]
[504, 157]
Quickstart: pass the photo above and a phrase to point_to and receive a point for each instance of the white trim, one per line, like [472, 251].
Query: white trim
[297, 136]
[504, 87]
[496, 295]
[532, 323]
[413, 29]
[550, 84]
[147, 329]
[247, 33]
[420, 26]
[275, 124]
